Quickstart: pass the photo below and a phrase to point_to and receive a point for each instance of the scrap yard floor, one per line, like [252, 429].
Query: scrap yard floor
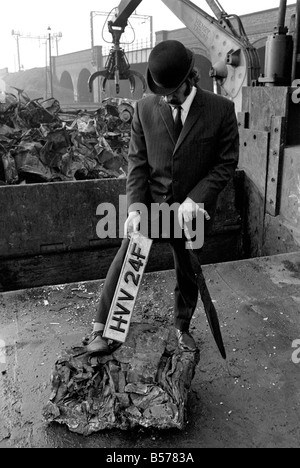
[252, 401]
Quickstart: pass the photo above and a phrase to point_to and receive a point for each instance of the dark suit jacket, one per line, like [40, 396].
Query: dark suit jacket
[198, 166]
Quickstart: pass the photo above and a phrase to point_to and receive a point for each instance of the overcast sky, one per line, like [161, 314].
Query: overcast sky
[72, 19]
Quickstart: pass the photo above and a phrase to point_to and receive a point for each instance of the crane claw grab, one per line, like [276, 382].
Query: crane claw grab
[117, 68]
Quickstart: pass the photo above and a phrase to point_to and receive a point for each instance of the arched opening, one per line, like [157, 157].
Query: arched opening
[66, 87]
[83, 91]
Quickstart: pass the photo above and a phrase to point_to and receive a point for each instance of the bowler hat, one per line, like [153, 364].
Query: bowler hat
[169, 65]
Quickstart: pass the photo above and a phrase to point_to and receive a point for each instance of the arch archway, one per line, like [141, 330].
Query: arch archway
[83, 92]
[67, 87]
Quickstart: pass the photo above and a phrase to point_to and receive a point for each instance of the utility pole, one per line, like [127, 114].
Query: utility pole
[57, 37]
[50, 63]
[48, 42]
[17, 35]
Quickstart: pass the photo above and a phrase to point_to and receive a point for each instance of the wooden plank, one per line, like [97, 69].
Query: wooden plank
[118, 321]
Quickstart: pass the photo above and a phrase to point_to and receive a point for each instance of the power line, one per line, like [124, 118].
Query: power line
[48, 42]
[18, 35]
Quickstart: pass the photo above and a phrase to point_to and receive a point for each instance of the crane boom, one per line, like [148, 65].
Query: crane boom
[235, 61]
[125, 10]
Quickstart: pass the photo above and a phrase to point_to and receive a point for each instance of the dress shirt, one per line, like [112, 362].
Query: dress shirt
[185, 106]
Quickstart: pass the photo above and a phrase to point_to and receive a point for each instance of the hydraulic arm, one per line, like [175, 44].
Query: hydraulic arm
[117, 66]
[235, 61]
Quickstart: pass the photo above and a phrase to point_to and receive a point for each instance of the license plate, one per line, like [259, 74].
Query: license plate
[120, 314]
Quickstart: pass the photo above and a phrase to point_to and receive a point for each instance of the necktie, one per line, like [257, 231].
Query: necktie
[178, 122]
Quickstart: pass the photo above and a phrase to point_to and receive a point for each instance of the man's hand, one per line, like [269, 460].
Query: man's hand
[132, 224]
[188, 211]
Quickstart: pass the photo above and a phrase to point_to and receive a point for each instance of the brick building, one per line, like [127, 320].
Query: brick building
[261, 24]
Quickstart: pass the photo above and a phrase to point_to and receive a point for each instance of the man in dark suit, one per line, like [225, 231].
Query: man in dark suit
[184, 149]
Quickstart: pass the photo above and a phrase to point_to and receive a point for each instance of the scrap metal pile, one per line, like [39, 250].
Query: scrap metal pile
[39, 142]
[144, 383]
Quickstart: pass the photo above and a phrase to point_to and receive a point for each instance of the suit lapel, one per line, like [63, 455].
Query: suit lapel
[193, 116]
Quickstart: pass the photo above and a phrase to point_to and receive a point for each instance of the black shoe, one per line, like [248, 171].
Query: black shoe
[186, 342]
[97, 344]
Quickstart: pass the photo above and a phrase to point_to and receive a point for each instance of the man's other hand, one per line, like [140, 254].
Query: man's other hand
[188, 211]
[132, 224]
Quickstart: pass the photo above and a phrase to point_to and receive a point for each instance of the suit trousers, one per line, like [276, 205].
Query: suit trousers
[186, 290]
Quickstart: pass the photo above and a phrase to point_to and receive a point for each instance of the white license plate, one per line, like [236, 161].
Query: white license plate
[120, 314]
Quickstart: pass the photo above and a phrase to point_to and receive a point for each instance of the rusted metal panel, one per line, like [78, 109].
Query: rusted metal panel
[243, 119]
[272, 181]
[262, 103]
[293, 133]
[276, 152]
[90, 265]
[120, 314]
[63, 214]
[62, 217]
[254, 156]
[46, 229]
[290, 197]
[254, 230]
[280, 236]
[254, 161]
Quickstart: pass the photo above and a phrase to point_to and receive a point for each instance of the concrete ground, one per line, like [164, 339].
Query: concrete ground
[252, 401]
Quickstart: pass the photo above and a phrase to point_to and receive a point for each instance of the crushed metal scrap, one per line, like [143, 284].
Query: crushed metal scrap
[144, 383]
[39, 142]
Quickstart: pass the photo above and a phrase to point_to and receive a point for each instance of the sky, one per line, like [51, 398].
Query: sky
[72, 19]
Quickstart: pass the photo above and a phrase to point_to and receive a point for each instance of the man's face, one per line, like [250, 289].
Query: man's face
[178, 97]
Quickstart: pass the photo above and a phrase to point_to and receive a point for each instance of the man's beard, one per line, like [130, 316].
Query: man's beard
[176, 101]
